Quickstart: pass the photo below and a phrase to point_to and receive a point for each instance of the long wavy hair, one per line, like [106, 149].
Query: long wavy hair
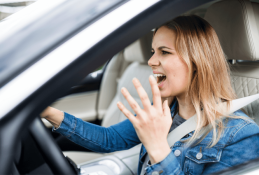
[209, 84]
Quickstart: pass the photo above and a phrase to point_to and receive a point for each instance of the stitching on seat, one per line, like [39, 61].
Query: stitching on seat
[247, 26]
[237, 88]
[250, 92]
[255, 88]
[248, 107]
[245, 86]
[254, 111]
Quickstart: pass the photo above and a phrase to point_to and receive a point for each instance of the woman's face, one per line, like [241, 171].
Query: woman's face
[171, 71]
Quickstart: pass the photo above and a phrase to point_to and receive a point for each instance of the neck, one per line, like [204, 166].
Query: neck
[186, 108]
[170, 100]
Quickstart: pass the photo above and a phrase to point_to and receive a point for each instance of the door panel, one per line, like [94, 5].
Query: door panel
[82, 99]
[81, 105]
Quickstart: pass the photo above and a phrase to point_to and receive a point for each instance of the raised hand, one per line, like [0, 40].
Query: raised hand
[152, 123]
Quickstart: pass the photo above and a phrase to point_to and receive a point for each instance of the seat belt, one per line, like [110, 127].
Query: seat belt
[190, 124]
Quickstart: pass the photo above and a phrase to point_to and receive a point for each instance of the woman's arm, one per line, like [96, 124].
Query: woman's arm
[117, 137]
[54, 116]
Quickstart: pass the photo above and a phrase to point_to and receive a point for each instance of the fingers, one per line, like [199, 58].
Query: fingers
[156, 93]
[142, 94]
[133, 104]
[166, 108]
[126, 112]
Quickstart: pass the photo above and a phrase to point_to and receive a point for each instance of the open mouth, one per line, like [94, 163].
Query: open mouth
[160, 78]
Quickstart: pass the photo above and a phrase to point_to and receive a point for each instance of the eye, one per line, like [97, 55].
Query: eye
[164, 52]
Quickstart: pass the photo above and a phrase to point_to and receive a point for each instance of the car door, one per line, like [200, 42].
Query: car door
[82, 99]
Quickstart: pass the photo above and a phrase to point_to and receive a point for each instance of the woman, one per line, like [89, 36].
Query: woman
[192, 77]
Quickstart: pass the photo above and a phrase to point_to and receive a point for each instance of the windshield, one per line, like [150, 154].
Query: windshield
[36, 30]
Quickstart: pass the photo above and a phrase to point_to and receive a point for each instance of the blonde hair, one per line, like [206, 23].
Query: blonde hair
[198, 45]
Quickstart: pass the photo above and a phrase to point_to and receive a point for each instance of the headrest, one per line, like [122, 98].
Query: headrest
[236, 23]
[140, 50]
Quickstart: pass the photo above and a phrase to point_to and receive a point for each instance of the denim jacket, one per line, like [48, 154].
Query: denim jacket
[239, 143]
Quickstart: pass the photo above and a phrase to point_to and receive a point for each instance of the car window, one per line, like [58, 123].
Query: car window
[28, 43]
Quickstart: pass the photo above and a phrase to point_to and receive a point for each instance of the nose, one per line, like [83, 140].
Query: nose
[153, 61]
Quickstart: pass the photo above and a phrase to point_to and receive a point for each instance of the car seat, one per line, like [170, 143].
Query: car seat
[236, 23]
[133, 59]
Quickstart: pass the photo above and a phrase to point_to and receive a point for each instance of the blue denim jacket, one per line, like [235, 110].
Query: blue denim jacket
[239, 143]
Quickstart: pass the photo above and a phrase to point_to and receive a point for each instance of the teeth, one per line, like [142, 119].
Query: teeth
[159, 75]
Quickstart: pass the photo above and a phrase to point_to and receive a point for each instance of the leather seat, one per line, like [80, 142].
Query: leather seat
[129, 63]
[237, 24]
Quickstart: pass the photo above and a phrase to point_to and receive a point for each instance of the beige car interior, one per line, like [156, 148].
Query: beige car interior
[237, 24]
[81, 105]
[135, 57]
[123, 67]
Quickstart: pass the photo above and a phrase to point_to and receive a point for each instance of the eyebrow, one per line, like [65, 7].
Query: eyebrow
[163, 47]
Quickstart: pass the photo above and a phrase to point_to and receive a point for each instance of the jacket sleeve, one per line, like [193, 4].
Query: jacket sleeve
[117, 137]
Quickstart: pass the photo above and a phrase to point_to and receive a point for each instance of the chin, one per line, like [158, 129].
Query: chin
[165, 95]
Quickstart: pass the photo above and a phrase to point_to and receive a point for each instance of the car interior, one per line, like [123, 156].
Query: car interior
[236, 23]
[133, 63]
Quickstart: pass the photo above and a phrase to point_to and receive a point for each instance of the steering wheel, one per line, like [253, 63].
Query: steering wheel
[53, 155]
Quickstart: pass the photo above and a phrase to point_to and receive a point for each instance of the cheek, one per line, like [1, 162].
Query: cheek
[177, 78]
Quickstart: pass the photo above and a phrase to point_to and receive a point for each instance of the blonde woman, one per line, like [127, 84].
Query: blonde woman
[192, 77]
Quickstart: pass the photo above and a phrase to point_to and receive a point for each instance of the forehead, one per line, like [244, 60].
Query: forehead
[164, 37]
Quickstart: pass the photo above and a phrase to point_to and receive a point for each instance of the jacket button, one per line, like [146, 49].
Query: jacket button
[198, 156]
[155, 173]
[177, 153]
